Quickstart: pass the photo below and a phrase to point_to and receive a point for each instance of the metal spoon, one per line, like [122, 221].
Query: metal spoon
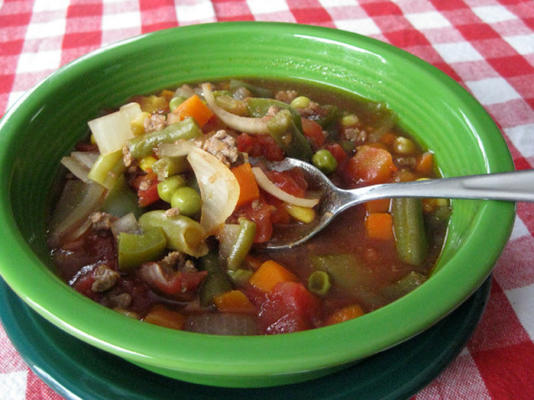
[509, 186]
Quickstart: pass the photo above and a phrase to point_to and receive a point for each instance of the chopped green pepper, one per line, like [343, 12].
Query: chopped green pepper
[134, 250]
[121, 200]
[107, 169]
[347, 272]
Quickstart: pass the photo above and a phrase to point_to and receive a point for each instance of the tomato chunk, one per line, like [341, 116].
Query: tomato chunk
[258, 146]
[290, 181]
[147, 189]
[370, 165]
[313, 131]
[289, 307]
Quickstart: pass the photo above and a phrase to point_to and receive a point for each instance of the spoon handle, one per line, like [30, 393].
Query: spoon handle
[509, 186]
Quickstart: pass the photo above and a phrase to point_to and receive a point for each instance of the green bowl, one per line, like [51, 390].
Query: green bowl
[47, 122]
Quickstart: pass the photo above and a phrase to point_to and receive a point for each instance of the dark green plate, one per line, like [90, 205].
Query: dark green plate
[79, 371]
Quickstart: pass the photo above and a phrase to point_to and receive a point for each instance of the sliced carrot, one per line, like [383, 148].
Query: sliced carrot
[195, 108]
[379, 226]
[371, 164]
[234, 301]
[344, 314]
[377, 206]
[162, 316]
[249, 190]
[269, 274]
[425, 163]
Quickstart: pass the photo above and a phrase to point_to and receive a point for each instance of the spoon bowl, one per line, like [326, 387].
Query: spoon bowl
[507, 186]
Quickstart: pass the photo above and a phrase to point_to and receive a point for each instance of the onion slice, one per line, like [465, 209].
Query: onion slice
[256, 126]
[274, 190]
[219, 189]
[178, 149]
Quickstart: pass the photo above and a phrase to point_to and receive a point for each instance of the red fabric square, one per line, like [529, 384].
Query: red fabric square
[477, 31]
[508, 371]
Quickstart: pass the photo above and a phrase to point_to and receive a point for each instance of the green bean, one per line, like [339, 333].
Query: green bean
[134, 250]
[410, 236]
[142, 146]
[325, 161]
[216, 282]
[242, 245]
[187, 200]
[346, 271]
[167, 187]
[169, 166]
[121, 200]
[182, 233]
[240, 276]
[319, 283]
[330, 114]
[403, 286]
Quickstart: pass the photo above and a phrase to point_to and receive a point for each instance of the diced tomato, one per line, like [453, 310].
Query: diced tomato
[291, 181]
[370, 165]
[313, 131]
[338, 152]
[180, 284]
[147, 189]
[288, 307]
[261, 214]
[261, 145]
[279, 214]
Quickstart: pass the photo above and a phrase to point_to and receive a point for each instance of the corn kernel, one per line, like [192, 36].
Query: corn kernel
[138, 123]
[302, 214]
[92, 139]
[146, 163]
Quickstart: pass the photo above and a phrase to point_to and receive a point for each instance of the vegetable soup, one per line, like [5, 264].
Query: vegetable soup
[165, 207]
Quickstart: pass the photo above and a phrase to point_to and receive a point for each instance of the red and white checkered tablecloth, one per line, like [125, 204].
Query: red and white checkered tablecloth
[485, 45]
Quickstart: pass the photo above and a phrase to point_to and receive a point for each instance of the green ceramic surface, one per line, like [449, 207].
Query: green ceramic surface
[395, 374]
[45, 124]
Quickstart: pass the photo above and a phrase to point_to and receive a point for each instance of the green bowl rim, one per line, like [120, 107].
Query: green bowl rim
[280, 354]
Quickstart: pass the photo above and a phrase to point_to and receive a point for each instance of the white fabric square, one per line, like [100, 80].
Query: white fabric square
[121, 20]
[458, 52]
[201, 10]
[520, 229]
[522, 137]
[13, 386]
[362, 26]
[13, 97]
[523, 44]
[492, 14]
[267, 6]
[48, 5]
[428, 20]
[521, 301]
[40, 30]
[43, 60]
[492, 91]
[336, 3]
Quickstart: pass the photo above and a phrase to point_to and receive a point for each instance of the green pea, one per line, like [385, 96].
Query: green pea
[404, 146]
[325, 161]
[175, 102]
[300, 102]
[187, 200]
[167, 187]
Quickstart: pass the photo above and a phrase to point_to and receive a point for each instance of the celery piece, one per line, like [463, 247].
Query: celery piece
[404, 285]
[121, 200]
[410, 236]
[291, 140]
[142, 146]
[107, 169]
[182, 233]
[216, 282]
[135, 250]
